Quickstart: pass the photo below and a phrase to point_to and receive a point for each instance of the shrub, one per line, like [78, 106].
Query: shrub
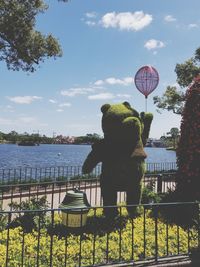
[29, 220]
[149, 196]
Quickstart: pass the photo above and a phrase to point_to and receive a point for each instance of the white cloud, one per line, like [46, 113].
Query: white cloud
[169, 18]
[107, 95]
[59, 110]
[99, 82]
[91, 15]
[90, 23]
[154, 44]
[123, 95]
[24, 99]
[192, 25]
[113, 81]
[64, 105]
[126, 20]
[52, 101]
[128, 80]
[76, 91]
[101, 96]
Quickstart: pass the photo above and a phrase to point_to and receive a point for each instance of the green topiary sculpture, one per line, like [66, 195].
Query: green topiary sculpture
[121, 153]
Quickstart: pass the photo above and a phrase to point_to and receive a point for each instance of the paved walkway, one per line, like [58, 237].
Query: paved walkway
[56, 196]
[56, 193]
[164, 262]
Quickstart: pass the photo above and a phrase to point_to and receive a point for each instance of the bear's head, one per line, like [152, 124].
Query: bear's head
[123, 124]
[117, 121]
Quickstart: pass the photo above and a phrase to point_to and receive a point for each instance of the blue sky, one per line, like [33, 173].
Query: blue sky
[104, 43]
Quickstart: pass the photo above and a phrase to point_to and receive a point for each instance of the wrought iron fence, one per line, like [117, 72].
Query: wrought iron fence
[54, 191]
[57, 173]
[39, 237]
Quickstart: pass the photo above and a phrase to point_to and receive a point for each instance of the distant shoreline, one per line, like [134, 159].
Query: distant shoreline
[10, 143]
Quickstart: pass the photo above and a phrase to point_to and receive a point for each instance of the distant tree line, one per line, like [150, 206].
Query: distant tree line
[14, 137]
[87, 139]
[170, 140]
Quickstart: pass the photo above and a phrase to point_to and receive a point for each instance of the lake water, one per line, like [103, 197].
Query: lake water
[14, 156]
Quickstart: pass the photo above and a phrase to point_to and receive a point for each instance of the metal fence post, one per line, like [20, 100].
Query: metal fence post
[159, 183]
[156, 234]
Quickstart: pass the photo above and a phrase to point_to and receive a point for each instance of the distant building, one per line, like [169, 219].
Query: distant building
[60, 139]
[155, 143]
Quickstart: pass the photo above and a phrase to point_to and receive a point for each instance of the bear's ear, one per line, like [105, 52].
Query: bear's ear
[126, 104]
[104, 108]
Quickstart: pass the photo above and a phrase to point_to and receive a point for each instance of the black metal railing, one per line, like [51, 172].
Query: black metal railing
[42, 238]
[54, 191]
[59, 173]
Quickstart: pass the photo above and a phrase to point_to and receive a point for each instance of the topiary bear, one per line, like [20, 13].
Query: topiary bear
[121, 153]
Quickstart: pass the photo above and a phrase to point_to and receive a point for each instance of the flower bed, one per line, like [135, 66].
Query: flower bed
[52, 244]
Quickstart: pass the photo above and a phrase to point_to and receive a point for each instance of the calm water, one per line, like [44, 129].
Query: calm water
[14, 156]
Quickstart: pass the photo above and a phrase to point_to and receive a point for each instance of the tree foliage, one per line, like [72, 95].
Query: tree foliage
[173, 99]
[87, 139]
[14, 137]
[22, 47]
[186, 72]
[174, 134]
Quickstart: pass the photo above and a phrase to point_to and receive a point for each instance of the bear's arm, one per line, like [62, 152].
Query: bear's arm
[146, 120]
[93, 158]
[132, 132]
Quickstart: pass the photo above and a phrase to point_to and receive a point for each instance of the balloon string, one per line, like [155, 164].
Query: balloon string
[145, 103]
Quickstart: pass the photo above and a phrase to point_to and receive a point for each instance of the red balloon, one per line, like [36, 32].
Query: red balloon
[146, 80]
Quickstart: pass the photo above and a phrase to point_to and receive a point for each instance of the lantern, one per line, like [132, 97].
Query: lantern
[75, 208]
